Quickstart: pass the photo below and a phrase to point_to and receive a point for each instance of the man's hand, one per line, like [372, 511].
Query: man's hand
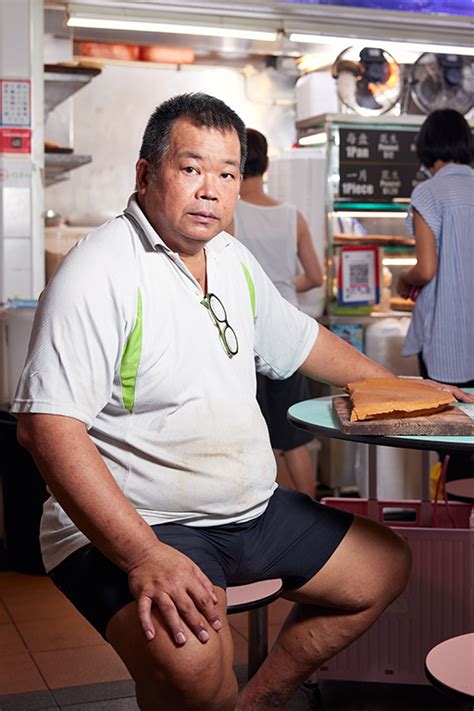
[457, 392]
[179, 589]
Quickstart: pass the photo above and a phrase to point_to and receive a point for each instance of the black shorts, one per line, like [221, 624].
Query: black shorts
[274, 398]
[291, 540]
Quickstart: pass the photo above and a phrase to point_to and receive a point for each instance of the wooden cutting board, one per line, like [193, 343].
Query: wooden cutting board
[452, 421]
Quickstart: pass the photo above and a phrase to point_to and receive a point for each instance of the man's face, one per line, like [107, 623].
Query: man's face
[192, 196]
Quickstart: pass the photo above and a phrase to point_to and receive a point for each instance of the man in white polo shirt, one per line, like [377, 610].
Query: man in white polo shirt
[138, 404]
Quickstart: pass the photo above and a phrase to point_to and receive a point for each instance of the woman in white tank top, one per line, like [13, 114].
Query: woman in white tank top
[278, 236]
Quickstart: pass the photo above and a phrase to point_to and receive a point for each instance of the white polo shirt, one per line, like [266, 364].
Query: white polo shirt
[122, 342]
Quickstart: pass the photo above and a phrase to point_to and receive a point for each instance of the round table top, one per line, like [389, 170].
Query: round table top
[450, 665]
[317, 416]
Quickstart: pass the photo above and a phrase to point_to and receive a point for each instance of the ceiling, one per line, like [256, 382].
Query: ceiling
[285, 18]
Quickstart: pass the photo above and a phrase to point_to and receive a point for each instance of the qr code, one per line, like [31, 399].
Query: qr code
[359, 275]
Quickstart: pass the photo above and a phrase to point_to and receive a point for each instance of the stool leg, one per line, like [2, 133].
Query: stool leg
[258, 638]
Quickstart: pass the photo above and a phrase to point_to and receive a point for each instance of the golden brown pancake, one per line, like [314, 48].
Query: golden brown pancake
[393, 397]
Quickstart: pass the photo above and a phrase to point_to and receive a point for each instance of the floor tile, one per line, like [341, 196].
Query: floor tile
[110, 705]
[240, 648]
[239, 622]
[4, 616]
[12, 581]
[61, 633]
[38, 606]
[94, 692]
[83, 665]
[19, 674]
[10, 641]
[273, 631]
[28, 702]
[278, 611]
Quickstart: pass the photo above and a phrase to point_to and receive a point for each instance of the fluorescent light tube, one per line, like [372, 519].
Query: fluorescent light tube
[390, 46]
[315, 139]
[372, 213]
[398, 261]
[161, 27]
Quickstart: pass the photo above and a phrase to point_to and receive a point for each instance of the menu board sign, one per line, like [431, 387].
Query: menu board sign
[377, 165]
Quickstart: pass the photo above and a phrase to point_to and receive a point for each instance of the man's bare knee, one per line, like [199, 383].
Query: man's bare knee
[369, 569]
[388, 565]
[201, 678]
[399, 573]
[199, 689]
[194, 677]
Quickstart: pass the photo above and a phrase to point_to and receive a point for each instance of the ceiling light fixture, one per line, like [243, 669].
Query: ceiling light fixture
[390, 46]
[110, 23]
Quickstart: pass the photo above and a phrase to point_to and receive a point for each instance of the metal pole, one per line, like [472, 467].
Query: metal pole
[258, 639]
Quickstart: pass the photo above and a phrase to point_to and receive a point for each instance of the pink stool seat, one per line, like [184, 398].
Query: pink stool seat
[462, 489]
[247, 597]
[254, 598]
[450, 666]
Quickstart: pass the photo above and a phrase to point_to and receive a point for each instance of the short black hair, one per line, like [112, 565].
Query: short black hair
[445, 135]
[257, 154]
[201, 110]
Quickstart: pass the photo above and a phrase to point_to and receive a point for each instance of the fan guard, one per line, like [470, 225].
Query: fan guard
[367, 81]
[442, 81]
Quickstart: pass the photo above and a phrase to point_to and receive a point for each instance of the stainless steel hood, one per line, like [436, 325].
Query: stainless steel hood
[283, 18]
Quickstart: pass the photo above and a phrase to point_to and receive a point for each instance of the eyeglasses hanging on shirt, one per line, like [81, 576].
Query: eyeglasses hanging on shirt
[218, 314]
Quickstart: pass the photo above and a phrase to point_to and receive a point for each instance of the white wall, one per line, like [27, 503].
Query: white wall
[110, 115]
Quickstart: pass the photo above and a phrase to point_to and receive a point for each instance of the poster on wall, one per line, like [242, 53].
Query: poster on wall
[15, 102]
[15, 140]
[358, 276]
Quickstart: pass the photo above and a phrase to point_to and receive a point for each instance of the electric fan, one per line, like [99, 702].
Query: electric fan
[442, 81]
[367, 81]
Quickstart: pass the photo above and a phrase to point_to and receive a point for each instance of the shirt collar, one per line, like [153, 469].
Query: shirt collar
[454, 168]
[139, 219]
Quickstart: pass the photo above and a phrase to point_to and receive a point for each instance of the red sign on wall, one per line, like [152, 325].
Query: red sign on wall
[15, 140]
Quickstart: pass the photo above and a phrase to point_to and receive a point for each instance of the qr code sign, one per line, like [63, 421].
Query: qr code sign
[359, 275]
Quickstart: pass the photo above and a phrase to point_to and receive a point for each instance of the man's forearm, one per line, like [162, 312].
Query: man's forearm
[332, 360]
[77, 475]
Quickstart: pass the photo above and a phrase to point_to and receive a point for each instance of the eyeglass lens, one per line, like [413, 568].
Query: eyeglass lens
[227, 333]
[217, 308]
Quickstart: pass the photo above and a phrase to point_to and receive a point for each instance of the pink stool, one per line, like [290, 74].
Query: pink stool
[461, 490]
[254, 599]
[450, 667]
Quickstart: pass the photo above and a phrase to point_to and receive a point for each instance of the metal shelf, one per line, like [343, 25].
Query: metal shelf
[61, 82]
[365, 320]
[340, 205]
[57, 165]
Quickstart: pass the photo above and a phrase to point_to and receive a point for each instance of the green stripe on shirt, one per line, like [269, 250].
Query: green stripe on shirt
[251, 287]
[131, 359]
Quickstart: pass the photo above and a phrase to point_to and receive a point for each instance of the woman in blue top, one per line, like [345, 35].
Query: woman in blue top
[442, 221]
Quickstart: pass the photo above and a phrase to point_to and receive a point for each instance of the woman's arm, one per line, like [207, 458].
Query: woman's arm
[312, 274]
[426, 259]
